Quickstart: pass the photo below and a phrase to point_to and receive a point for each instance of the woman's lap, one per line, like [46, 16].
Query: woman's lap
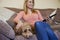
[40, 31]
[43, 30]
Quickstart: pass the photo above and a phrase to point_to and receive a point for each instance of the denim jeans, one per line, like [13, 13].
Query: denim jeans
[44, 31]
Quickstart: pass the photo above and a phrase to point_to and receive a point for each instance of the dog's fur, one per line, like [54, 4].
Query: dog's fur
[24, 30]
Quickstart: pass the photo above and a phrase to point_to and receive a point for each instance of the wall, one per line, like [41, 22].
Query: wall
[59, 3]
[47, 3]
[40, 4]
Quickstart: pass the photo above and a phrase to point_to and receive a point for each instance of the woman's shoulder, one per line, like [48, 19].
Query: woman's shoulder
[37, 10]
[21, 12]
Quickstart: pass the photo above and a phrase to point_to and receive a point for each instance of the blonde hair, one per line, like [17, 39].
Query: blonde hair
[25, 7]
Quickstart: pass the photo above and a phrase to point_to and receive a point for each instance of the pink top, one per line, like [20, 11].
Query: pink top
[30, 18]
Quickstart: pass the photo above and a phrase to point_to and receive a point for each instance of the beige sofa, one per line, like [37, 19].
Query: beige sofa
[45, 13]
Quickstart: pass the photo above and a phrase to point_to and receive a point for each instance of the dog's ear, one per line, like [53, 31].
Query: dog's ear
[33, 29]
[15, 30]
[18, 31]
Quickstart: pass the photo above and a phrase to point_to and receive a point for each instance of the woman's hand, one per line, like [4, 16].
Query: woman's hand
[20, 24]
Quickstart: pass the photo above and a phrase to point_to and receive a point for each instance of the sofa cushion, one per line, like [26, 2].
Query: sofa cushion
[20, 37]
[57, 17]
[11, 23]
[55, 27]
[5, 13]
[6, 30]
[46, 12]
[2, 37]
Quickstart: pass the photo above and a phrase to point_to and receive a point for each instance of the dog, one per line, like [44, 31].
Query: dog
[25, 30]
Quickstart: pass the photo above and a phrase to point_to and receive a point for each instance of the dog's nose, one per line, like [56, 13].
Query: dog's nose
[27, 36]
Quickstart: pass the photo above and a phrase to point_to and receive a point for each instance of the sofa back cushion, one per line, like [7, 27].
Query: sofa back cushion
[45, 13]
[57, 17]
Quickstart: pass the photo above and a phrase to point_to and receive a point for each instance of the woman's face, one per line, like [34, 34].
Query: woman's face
[30, 4]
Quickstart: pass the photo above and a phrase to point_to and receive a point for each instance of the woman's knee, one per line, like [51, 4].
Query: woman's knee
[39, 24]
[36, 23]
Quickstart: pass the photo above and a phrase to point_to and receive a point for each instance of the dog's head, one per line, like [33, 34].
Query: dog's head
[26, 30]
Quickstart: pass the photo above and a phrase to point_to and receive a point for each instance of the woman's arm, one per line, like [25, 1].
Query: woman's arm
[18, 21]
[18, 17]
[40, 16]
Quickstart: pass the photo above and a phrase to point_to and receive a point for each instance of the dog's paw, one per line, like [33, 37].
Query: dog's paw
[24, 35]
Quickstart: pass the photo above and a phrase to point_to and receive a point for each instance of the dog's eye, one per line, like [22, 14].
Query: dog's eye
[25, 30]
[29, 30]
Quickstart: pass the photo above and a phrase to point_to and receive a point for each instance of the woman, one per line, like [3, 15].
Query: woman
[34, 18]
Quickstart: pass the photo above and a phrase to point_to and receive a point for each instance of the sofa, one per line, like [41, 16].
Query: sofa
[7, 32]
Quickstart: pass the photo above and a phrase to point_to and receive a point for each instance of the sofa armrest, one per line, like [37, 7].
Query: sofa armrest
[2, 37]
[6, 30]
[11, 23]
[55, 27]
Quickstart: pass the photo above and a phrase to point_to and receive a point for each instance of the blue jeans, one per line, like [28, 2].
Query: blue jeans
[44, 32]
